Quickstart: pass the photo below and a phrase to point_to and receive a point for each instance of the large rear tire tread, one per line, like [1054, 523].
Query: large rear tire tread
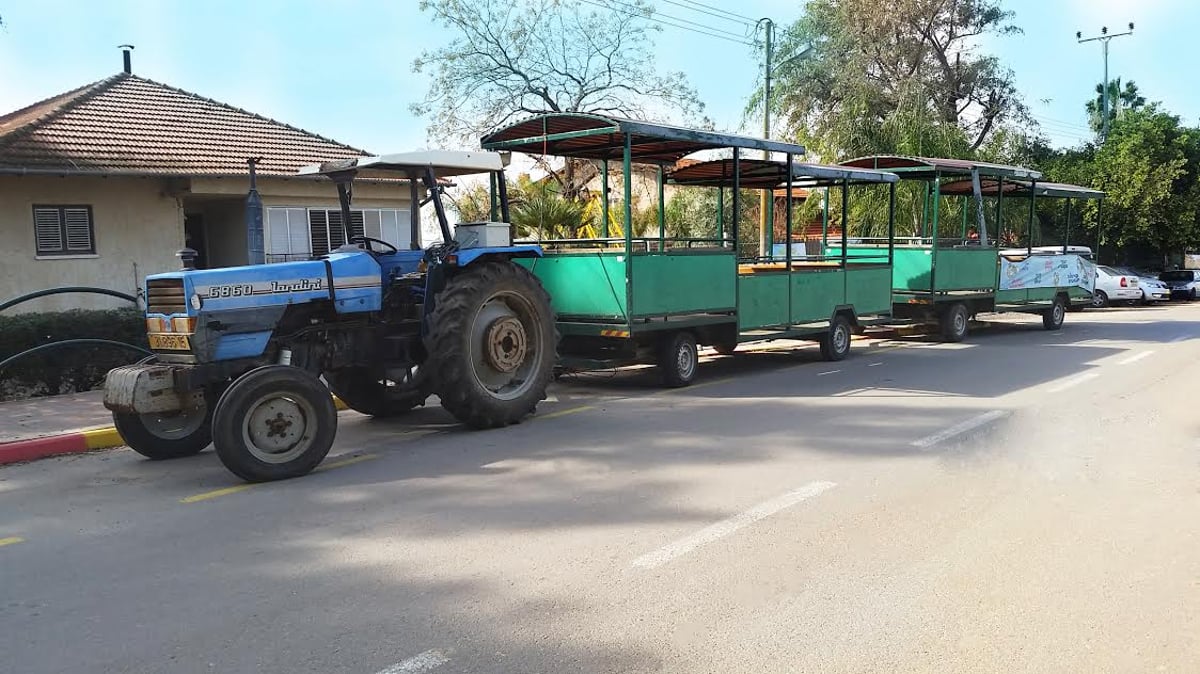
[141, 439]
[367, 394]
[242, 398]
[449, 344]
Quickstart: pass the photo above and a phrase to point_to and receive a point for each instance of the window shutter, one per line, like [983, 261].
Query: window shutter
[47, 226]
[79, 229]
[318, 228]
[357, 224]
[336, 239]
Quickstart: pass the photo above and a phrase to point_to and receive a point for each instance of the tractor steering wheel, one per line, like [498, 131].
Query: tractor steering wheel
[366, 242]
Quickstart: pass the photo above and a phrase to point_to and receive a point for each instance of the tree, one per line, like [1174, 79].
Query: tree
[1150, 168]
[1120, 100]
[898, 76]
[515, 58]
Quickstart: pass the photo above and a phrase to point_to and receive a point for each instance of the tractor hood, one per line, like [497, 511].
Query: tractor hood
[351, 280]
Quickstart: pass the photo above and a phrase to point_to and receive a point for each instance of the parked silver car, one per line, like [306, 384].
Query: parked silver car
[1184, 283]
[1152, 289]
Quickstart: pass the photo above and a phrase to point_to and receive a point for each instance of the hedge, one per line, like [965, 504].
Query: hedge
[67, 369]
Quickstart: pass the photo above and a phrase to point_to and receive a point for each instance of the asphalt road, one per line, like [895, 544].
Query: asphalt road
[1025, 501]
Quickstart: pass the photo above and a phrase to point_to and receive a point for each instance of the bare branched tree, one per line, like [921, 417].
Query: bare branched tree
[515, 58]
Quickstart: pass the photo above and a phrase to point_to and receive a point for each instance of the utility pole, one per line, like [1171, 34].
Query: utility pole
[1104, 37]
[766, 229]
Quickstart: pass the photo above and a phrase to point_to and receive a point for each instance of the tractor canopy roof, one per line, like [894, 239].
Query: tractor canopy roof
[412, 165]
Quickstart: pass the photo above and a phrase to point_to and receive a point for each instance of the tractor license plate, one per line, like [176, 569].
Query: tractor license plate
[169, 342]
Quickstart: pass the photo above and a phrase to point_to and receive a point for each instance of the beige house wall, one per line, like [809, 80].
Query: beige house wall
[138, 227]
[138, 224]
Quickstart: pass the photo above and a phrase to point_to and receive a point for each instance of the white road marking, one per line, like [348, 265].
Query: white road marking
[1136, 357]
[422, 662]
[822, 374]
[728, 526]
[960, 428]
[874, 364]
[1070, 382]
[1179, 339]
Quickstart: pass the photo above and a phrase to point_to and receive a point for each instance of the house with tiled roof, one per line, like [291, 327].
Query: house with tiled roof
[103, 184]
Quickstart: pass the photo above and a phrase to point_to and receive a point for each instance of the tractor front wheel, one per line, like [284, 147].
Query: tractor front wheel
[163, 435]
[273, 423]
[491, 344]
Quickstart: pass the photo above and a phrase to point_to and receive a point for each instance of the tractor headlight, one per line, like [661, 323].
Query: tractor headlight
[195, 302]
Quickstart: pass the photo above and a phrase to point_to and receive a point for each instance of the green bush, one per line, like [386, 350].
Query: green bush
[66, 369]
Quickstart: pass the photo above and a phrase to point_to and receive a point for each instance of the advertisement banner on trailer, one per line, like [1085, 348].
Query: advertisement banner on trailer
[1047, 271]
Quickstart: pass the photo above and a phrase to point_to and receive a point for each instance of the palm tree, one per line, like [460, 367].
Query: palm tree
[1119, 100]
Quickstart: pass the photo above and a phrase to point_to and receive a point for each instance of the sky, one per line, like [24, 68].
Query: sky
[343, 69]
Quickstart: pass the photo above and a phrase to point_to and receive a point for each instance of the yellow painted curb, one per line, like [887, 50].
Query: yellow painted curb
[102, 438]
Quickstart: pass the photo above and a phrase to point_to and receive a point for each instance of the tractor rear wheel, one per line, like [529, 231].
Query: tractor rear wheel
[492, 344]
[377, 395]
[163, 435]
[273, 423]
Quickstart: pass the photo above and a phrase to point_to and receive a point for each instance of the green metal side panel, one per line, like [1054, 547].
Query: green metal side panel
[677, 283]
[815, 294]
[965, 268]
[869, 290]
[762, 300]
[912, 269]
[1042, 294]
[1020, 296]
[590, 285]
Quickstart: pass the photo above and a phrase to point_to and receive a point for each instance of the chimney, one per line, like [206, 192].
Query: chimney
[125, 51]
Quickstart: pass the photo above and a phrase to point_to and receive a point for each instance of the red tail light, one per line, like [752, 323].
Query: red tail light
[1124, 282]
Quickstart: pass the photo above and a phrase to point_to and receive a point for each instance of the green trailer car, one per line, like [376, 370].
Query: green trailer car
[645, 298]
[952, 271]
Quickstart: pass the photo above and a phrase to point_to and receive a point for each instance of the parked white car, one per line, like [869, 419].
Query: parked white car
[1184, 283]
[1113, 286]
[1152, 289]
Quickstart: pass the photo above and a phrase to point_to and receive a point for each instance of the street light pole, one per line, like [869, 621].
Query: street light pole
[1104, 37]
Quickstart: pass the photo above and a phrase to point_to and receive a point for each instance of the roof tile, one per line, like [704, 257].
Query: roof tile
[131, 125]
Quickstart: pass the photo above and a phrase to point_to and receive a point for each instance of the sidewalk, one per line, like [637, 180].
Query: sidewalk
[54, 415]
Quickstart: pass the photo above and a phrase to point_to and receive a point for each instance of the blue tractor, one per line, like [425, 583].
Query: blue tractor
[246, 357]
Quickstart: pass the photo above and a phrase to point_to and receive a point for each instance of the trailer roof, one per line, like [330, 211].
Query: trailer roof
[772, 173]
[588, 136]
[928, 167]
[444, 163]
[1022, 188]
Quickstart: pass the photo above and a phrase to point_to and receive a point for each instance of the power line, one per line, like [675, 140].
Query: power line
[688, 21]
[717, 13]
[718, 9]
[703, 30]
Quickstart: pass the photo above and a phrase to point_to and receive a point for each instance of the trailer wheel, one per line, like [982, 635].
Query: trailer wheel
[274, 423]
[836, 344]
[492, 344]
[678, 359]
[1052, 318]
[953, 322]
[373, 394]
[160, 436]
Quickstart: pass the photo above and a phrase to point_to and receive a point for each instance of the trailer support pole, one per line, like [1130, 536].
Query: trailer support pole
[721, 215]
[604, 199]
[1032, 203]
[737, 198]
[1067, 233]
[891, 223]
[787, 236]
[627, 178]
[662, 213]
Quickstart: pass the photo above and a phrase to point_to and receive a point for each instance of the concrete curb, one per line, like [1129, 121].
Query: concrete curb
[73, 442]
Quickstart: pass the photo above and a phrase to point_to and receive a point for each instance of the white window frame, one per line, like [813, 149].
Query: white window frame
[372, 223]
